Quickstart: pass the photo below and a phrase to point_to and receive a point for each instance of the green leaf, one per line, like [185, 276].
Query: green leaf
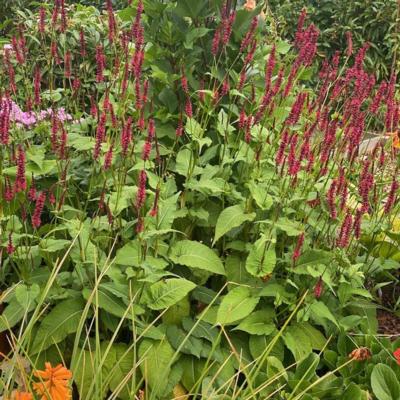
[62, 320]
[260, 196]
[261, 260]
[196, 255]
[319, 310]
[108, 302]
[353, 392]
[257, 323]
[190, 8]
[193, 128]
[193, 35]
[166, 293]
[12, 314]
[301, 339]
[122, 199]
[26, 295]
[119, 363]
[291, 228]
[384, 382]
[236, 305]
[155, 360]
[53, 245]
[79, 142]
[187, 344]
[312, 257]
[130, 254]
[230, 218]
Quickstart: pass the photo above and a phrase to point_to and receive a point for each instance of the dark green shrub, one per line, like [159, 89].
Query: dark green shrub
[373, 21]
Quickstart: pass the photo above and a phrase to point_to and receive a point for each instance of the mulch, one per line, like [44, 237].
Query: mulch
[389, 324]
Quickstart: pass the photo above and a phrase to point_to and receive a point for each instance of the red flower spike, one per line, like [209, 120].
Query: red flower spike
[318, 288]
[299, 246]
[141, 194]
[396, 355]
[10, 247]
[36, 217]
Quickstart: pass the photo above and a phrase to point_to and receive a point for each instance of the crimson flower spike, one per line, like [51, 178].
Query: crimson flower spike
[299, 246]
[36, 217]
[42, 20]
[345, 231]
[141, 193]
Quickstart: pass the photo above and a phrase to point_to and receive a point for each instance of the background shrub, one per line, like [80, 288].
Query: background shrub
[373, 21]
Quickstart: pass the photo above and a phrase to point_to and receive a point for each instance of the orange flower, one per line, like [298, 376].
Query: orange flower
[22, 395]
[395, 139]
[54, 383]
[396, 355]
[250, 5]
[360, 354]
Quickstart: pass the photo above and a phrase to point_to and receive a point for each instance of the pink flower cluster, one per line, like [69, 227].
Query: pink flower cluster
[29, 118]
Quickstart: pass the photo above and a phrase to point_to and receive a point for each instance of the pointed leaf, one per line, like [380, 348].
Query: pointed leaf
[236, 305]
[230, 218]
[196, 255]
[62, 320]
[166, 293]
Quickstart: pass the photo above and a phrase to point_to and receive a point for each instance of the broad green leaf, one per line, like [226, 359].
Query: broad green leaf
[311, 257]
[166, 293]
[84, 371]
[118, 201]
[260, 196]
[26, 295]
[193, 128]
[319, 310]
[12, 314]
[302, 338]
[209, 187]
[119, 364]
[306, 368]
[257, 323]
[200, 329]
[108, 302]
[236, 305]
[354, 392]
[187, 344]
[291, 228]
[61, 321]
[385, 383]
[196, 255]
[183, 163]
[193, 35]
[297, 341]
[175, 313]
[52, 245]
[230, 218]
[192, 371]
[155, 358]
[190, 8]
[80, 142]
[275, 368]
[261, 259]
[130, 254]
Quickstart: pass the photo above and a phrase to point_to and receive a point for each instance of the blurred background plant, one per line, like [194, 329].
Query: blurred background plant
[373, 21]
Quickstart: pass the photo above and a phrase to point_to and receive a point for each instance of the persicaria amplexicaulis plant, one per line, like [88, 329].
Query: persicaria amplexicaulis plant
[211, 161]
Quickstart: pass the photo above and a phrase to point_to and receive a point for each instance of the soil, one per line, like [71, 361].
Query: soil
[389, 324]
